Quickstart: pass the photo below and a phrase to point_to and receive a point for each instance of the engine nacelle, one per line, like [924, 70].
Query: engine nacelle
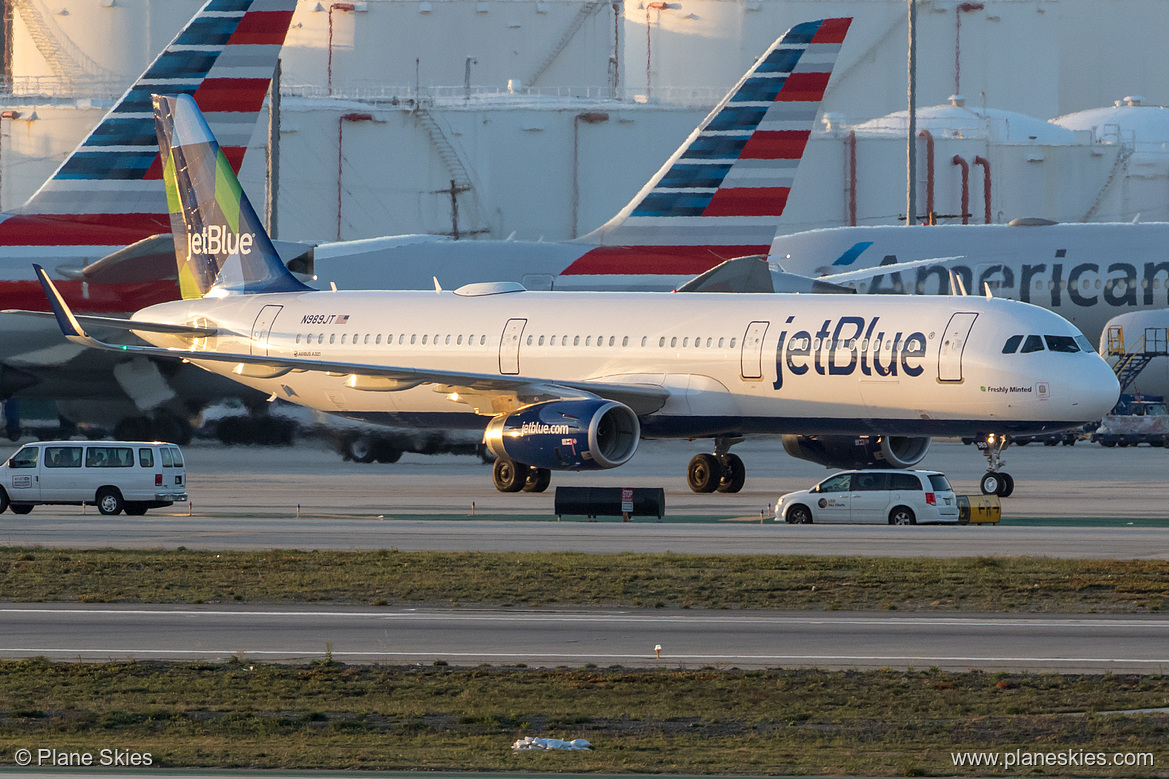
[563, 435]
[870, 451]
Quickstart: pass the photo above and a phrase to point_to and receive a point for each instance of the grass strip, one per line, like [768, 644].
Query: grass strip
[709, 721]
[388, 577]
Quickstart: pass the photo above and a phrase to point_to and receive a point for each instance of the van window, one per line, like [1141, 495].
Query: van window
[62, 456]
[838, 483]
[109, 457]
[146, 458]
[904, 481]
[176, 455]
[25, 458]
[869, 482]
[940, 483]
[164, 453]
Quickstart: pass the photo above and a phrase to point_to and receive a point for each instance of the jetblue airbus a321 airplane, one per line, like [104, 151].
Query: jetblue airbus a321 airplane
[572, 380]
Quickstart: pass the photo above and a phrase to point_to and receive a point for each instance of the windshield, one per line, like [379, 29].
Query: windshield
[1061, 343]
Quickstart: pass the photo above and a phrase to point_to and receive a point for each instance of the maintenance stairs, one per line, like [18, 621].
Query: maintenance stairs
[1154, 342]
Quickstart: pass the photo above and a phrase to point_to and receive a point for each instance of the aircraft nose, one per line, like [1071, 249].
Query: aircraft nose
[1096, 391]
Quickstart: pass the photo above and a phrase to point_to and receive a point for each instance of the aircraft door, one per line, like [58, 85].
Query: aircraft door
[509, 346]
[953, 344]
[752, 353]
[262, 327]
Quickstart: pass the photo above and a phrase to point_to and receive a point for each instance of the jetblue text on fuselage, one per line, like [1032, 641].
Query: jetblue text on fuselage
[843, 346]
[1083, 284]
[217, 239]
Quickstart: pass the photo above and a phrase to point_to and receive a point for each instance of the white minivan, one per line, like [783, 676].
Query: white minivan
[113, 475]
[894, 496]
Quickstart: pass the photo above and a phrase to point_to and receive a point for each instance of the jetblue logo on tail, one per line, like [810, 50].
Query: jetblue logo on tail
[217, 239]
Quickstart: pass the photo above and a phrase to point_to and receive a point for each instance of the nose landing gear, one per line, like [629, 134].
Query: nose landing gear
[721, 471]
[994, 481]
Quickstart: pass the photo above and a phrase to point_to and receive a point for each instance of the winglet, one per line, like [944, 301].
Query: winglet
[68, 323]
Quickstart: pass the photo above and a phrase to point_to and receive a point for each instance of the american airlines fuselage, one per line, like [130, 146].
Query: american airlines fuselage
[732, 364]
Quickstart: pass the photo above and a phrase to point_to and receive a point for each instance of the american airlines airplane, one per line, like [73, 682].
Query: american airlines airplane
[720, 195]
[571, 381]
[107, 198]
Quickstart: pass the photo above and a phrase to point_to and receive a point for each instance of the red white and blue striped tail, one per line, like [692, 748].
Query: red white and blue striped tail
[721, 194]
[109, 191]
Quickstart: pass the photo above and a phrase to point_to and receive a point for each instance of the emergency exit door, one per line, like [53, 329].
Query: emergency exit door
[953, 344]
[509, 346]
[752, 353]
[262, 328]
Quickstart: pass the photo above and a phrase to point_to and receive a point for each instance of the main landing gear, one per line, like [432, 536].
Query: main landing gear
[994, 481]
[720, 471]
[510, 476]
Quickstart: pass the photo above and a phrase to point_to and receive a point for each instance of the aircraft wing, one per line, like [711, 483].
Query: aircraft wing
[866, 274]
[487, 393]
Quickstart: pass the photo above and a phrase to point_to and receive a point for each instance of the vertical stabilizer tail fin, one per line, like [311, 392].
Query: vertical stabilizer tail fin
[225, 57]
[725, 188]
[221, 246]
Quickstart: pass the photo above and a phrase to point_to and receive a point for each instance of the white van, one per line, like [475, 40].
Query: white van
[894, 496]
[113, 475]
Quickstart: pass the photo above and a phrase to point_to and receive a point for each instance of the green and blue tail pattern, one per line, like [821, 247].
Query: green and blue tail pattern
[221, 246]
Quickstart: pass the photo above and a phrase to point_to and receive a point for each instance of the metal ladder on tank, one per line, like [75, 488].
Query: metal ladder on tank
[65, 57]
[1154, 342]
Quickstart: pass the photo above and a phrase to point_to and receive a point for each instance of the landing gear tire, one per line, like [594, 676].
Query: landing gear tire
[799, 515]
[509, 476]
[385, 452]
[902, 515]
[734, 473]
[360, 449]
[704, 473]
[994, 483]
[538, 480]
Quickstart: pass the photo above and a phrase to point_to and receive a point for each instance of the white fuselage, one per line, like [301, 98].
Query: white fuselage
[733, 363]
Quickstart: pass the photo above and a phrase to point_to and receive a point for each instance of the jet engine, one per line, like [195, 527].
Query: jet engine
[869, 451]
[566, 435]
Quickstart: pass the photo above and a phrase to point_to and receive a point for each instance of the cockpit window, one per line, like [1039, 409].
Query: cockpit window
[1012, 344]
[1033, 344]
[1085, 344]
[1061, 343]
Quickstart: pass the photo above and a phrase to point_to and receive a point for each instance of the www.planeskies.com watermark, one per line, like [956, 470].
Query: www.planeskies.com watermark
[1066, 758]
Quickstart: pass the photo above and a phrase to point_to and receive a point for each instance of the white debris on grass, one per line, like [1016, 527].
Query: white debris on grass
[532, 742]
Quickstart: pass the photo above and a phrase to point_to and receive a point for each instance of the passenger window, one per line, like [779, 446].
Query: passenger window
[109, 457]
[366, 341]
[673, 342]
[1033, 344]
[709, 341]
[62, 456]
[1061, 343]
[343, 337]
[1012, 344]
[838, 483]
[377, 341]
[541, 341]
[25, 458]
[424, 340]
[661, 342]
[904, 481]
[164, 454]
[720, 342]
[482, 340]
[732, 343]
[146, 458]
[869, 482]
[589, 341]
[529, 340]
[298, 337]
[940, 483]
[333, 338]
[576, 340]
[685, 342]
[644, 340]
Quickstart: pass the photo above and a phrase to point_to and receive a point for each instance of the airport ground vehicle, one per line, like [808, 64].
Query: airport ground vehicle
[895, 497]
[134, 476]
[1137, 419]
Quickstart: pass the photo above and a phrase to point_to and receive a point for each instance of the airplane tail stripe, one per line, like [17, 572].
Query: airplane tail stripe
[776, 145]
[832, 31]
[804, 86]
[261, 27]
[748, 201]
[232, 94]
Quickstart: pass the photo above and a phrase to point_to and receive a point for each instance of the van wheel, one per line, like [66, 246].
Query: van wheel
[902, 516]
[799, 515]
[4, 501]
[135, 509]
[21, 508]
[109, 501]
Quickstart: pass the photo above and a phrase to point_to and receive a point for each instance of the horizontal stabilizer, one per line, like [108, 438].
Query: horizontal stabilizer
[757, 274]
